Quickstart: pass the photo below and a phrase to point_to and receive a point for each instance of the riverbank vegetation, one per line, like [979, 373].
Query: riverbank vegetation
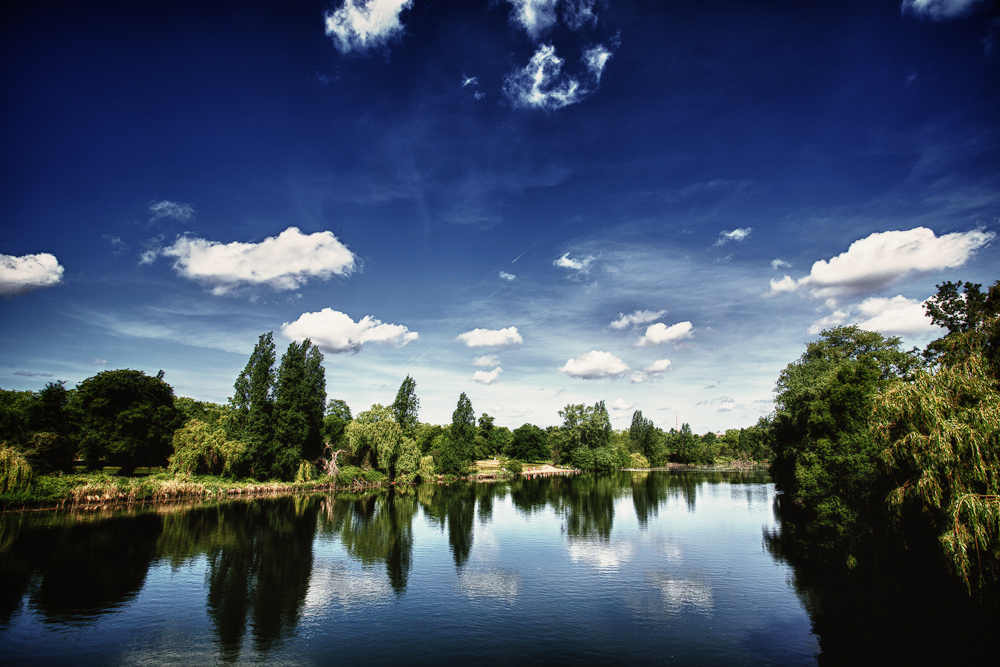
[886, 456]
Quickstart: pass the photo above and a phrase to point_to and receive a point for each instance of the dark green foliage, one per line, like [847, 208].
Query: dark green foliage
[585, 439]
[529, 443]
[643, 435]
[825, 459]
[127, 419]
[406, 406]
[461, 446]
[299, 403]
[253, 406]
[15, 416]
[972, 318]
[338, 416]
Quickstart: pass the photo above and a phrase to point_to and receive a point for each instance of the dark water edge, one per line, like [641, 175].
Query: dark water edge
[644, 567]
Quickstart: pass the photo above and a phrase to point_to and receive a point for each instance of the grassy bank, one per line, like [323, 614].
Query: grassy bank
[102, 488]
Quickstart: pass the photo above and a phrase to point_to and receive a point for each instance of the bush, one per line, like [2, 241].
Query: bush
[637, 460]
[513, 466]
[306, 472]
[426, 469]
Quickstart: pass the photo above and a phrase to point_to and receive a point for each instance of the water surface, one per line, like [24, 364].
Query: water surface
[639, 568]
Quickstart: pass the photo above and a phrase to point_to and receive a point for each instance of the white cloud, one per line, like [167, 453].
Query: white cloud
[503, 275]
[535, 17]
[171, 209]
[27, 273]
[567, 262]
[487, 377]
[596, 58]
[737, 234]
[638, 317]
[579, 14]
[659, 333]
[595, 365]
[335, 332]
[469, 81]
[883, 258]
[620, 404]
[283, 262]
[652, 372]
[939, 9]
[359, 25]
[779, 264]
[491, 337]
[97, 361]
[541, 84]
[486, 361]
[897, 316]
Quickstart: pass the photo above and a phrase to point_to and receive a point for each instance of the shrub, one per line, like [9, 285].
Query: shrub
[426, 469]
[637, 460]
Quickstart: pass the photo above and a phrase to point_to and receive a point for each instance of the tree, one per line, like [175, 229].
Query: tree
[972, 318]
[253, 405]
[299, 402]
[642, 434]
[126, 419]
[376, 435]
[460, 449]
[939, 439]
[825, 460]
[406, 406]
[338, 416]
[529, 443]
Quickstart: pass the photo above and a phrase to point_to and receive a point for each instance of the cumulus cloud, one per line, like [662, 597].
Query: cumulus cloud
[491, 337]
[779, 264]
[581, 265]
[897, 316]
[159, 210]
[27, 273]
[487, 377]
[283, 262]
[737, 234]
[361, 25]
[335, 332]
[486, 361]
[939, 9]
[503, 275]
[638, 317]
[883, 258]
[620, 404]
[595, 365]
[659, 333]
[652, 372]
[542, 84]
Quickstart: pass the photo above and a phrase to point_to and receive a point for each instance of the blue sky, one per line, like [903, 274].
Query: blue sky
[654, 204]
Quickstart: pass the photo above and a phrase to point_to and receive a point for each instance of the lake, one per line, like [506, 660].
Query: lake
[635, 567]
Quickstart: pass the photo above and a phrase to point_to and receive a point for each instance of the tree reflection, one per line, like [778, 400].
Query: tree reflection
[453, 507]
[376, 529]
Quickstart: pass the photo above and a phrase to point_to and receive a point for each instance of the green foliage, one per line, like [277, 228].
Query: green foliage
[306, 472]
[338, 415]
[513, 466]
[406, 406]
[529, 443]
[252, 404]
[127, 419]
[460, 446]
[972, 318]
[376, 440]
[408, 463]
[425, 471]
[584, 430]
[299, 403]
[201, 448]
[939, 439]
[637, 460]
[15, 472]
[643, 435]
[825, 460]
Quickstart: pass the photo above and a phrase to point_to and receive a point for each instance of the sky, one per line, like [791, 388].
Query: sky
[535, 202]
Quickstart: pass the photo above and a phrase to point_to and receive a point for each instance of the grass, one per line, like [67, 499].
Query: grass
[102, 488]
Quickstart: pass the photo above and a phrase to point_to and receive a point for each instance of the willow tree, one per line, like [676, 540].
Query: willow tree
[375, 439]
[940, 442]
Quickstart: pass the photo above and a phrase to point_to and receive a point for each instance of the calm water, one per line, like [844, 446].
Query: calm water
[629, 568]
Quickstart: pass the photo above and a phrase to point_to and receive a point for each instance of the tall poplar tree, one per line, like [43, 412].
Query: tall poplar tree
[406, 405]
[299, 402]
[253, 407]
